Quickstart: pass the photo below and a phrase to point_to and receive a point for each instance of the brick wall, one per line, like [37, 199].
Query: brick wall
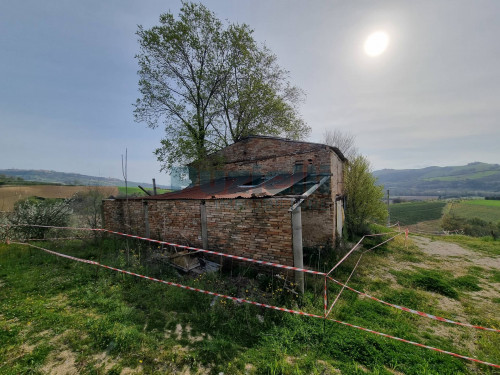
[122, 217]
[255, 228]
[261, 156]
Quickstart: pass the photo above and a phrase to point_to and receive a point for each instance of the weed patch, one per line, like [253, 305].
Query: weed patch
[55, 305]
[467, 282]
[430, 280]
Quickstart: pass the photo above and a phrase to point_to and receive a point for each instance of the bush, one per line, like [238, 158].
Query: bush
[87, 206]
[474, 227]
[33, 211]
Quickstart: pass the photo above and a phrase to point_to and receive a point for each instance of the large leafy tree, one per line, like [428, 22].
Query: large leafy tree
[364, 197]
[210, 84]
[256, 97]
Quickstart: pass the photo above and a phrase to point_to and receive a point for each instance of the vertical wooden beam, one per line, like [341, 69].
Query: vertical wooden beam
[204, 230]
[146, 219]
[298, 256]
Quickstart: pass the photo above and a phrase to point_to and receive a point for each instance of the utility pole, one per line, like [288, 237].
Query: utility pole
[388, 212]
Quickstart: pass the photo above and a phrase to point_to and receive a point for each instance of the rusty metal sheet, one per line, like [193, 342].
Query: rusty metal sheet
[236, 187]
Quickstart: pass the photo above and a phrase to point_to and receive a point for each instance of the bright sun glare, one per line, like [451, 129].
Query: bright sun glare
[376, 43]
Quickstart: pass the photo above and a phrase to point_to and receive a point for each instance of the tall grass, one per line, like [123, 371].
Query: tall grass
[48, 304]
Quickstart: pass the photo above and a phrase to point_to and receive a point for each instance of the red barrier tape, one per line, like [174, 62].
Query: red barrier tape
[426, 315]
[344, 285]
[356, 246]
[242, 300]
[196, 249]
[354, 269]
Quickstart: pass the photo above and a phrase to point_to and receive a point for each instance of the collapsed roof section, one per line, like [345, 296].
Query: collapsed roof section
[237, 187]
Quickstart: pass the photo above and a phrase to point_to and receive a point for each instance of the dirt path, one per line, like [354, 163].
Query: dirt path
[454, 253]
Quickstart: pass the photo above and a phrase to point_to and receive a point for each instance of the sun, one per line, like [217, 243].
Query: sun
[376, 43]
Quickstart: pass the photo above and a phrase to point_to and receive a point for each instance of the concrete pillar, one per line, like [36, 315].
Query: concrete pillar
[298, 257]
[146, 219]
[204, 231]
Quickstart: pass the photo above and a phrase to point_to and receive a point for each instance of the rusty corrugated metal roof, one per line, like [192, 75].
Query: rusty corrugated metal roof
[235, 187]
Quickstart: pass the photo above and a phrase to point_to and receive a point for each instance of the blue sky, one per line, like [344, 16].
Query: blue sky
[68, 79]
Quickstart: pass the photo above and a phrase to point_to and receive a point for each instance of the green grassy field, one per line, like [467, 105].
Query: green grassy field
[484, 202]
[138, 192]
[55, 312]
[414, 212]
[488, 210]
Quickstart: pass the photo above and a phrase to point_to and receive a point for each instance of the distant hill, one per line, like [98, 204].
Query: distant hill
[44, 176]
[479, 179]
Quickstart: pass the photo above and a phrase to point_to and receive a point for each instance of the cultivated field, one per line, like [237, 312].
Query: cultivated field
[416, 212]
[488, 210]
[60, 316]
[11, 194]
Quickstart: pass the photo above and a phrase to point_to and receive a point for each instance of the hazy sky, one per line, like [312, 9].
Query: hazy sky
[68, 79]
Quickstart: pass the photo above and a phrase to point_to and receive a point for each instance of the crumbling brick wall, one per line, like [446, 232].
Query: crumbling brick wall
[262, 156]
[258, 156]
[255, 228]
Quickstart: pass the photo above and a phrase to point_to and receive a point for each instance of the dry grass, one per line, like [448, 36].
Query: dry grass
[11, 194]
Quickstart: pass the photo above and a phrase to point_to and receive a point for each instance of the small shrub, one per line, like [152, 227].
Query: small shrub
[474, 227]
[33, 211]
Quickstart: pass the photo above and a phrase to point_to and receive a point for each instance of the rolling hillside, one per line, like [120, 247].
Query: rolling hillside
[45, 176]
[468, 180]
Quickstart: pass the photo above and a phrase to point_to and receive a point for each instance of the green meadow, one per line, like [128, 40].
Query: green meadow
[60, 315]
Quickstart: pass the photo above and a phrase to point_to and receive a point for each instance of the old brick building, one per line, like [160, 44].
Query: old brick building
[262, 197]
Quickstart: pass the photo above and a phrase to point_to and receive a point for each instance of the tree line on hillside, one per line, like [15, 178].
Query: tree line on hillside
[4, 180]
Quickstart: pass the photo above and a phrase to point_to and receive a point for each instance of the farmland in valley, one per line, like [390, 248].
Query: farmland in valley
[415, 212]
[11, 194]
[488, 210]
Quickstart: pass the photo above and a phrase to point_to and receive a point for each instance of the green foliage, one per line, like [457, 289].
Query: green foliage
[210, 84]
[364, 197]
[438, 281]
[415, 212]
[471, 227]
[467, 282]
[10, 180]
[33, 211]
[19, 181]
[430, 280]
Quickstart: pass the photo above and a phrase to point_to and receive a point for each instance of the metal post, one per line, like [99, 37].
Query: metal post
[154, 186]
[298, 257]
